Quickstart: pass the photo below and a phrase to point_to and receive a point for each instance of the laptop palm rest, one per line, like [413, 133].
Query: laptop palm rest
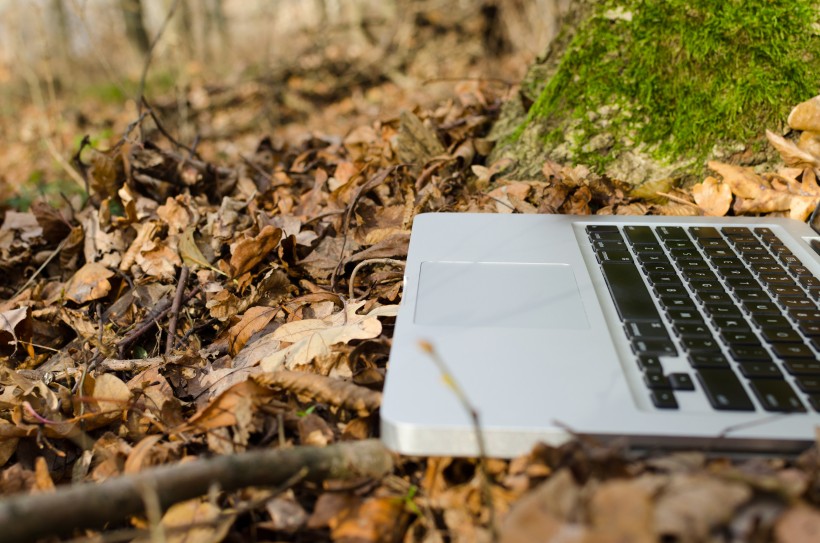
[507, 295]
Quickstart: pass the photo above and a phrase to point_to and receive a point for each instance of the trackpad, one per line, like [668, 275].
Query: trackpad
[499, 295]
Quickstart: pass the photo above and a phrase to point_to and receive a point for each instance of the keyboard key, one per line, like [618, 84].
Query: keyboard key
[808, 384]
[707, 360]
[805, 315]
[739, 338]
[761, 308]
[659, 267]
[654, 346]
[731, 324]
[771, 321]
[605, 235]
[744, 353]
[753, 296]
[680, 316]
[776, 279]
[780, 335]
[629, 292]
[760, 370]
[706, 286]
[639, 235]
[663, 399]
[601, 228]
[735, 231]
[699, 344]
[671, 232]
[739, 284]
[651, 329]
[724, 390]
[777, 395]
[681, 381]
[723, 311]
[705, 232]
[792, 350]
[783, 291]
[650, 363]
[802, 367]
[671, 291]
[811, 329]
[692, 330]
[687, 257]
[657, 381]
[797, 303]
[715, 298]
[809, 281]
[614, 256]
[609, 245]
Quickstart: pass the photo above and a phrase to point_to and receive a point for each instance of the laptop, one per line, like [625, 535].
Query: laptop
[663, 332]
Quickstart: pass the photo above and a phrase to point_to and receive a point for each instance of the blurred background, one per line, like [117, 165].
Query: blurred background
[220, 74]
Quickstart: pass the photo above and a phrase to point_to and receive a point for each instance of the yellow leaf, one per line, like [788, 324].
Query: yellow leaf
[713, 197]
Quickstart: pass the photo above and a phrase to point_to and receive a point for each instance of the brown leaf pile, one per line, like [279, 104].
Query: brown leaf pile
[189, 308]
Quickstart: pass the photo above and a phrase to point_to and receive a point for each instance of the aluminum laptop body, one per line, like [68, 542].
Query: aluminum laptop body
[519, 309]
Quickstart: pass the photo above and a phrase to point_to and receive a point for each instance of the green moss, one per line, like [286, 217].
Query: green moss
[685, 74]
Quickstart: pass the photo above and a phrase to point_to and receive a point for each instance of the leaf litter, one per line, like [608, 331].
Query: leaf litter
[270, 350]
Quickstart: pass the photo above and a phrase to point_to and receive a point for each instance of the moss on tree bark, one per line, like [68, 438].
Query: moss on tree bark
[644, 90]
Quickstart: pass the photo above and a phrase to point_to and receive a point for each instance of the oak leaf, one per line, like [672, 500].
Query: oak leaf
[310, 338]
[713, 197]
[89, 283]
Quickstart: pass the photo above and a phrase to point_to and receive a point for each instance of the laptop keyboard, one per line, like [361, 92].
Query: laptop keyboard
[734, 301]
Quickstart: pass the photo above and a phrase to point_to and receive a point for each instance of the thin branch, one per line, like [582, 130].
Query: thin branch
[393, 261]
[91, 505]
[323, 389]
[172, 326]
[453, 385]
[148, 58]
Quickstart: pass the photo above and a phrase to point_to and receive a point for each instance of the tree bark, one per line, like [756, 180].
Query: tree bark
[134, 25]
[30, 517]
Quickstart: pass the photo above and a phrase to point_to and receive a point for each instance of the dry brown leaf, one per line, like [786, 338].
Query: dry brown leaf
[691, 506]
[310, 338]
[800, 524]
[158, 260]
[10, 323]
[286, 514]
[713, 197]
[806, 115]
[7, 446]
[323, 389]
[89, 283]
[194, 521]
[622, 511]
[247, 253]
[228, 408]
[578, 202]
[254, 320]
[375, 520]
[810, 142]
[139, 454]
[111, 393]
[42, 477]
[744, 182]
[791, 154]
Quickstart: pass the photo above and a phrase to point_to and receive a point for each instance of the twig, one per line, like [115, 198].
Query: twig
[676, 199]
[324, 389]
[42, 267]
[161, 128]
[371, 183]
[136, 364]
[363, 263]
[162, 309]
[95, 504]
[172, 326]
[148, 58]
[453, 385]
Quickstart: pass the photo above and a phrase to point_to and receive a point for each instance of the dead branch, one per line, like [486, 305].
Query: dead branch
[172, 326]
[137, 364]
[29, 517]
[159, 312]
[324, 389]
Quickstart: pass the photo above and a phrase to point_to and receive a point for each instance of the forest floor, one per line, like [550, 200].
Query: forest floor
[202, 281]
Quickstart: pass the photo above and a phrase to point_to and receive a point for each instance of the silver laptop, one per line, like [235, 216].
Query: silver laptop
[684, 332]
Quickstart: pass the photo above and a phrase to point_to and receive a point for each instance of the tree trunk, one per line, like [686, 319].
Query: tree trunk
[651, 89]
[134, 25]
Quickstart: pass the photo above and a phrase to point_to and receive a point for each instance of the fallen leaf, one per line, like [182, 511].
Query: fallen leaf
[800, 524]
[806, 115]
[314, 337]
[195, 521]
[375, 520]
[791, 154]
[249, 252]
[89, 283]
[111, 393]
[254, 320]
[9, 322]
[691, 506]
[713, 197]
